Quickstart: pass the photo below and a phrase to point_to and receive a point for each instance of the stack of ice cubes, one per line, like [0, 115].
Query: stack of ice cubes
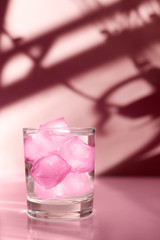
[60, 161]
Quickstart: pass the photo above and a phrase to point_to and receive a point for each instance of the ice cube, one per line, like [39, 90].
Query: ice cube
[57, 131]
[38, 145]
[78, 154]
[57, 126]
[50, 171]
[74, 184]
[42, 192]
[52, 193]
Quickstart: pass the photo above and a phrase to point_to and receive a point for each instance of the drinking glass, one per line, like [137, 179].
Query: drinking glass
[59, 170]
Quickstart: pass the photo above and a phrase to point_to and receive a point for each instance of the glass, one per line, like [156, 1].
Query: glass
[59, 168]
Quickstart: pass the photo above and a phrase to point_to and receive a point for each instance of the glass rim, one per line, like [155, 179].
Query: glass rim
[71, 128]
[64, 130]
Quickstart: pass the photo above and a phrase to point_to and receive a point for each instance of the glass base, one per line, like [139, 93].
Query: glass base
[59, 211]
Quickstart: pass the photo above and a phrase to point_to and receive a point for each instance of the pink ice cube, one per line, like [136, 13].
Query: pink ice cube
[50, 171]
[57, 126]
[52, 193]
[78, 154]
[37, 145]
[42, 143]
[56, 131]
[42, 192]
[74, 184]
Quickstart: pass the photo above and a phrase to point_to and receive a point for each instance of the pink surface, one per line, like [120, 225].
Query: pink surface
[124, 208]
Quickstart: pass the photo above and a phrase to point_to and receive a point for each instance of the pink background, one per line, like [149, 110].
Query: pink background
[94, 62]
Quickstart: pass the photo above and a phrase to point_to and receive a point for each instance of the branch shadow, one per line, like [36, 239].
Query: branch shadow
[124, 44]
[61, 72]
[145, 106]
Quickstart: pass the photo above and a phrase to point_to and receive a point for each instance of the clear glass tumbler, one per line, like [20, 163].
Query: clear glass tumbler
[59, 167]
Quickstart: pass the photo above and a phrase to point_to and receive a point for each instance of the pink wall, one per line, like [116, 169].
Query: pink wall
[94, 62]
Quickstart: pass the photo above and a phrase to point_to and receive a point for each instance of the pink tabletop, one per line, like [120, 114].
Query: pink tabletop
[124, 209]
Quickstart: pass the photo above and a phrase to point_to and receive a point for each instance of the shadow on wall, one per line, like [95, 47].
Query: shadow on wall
[127, 41]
